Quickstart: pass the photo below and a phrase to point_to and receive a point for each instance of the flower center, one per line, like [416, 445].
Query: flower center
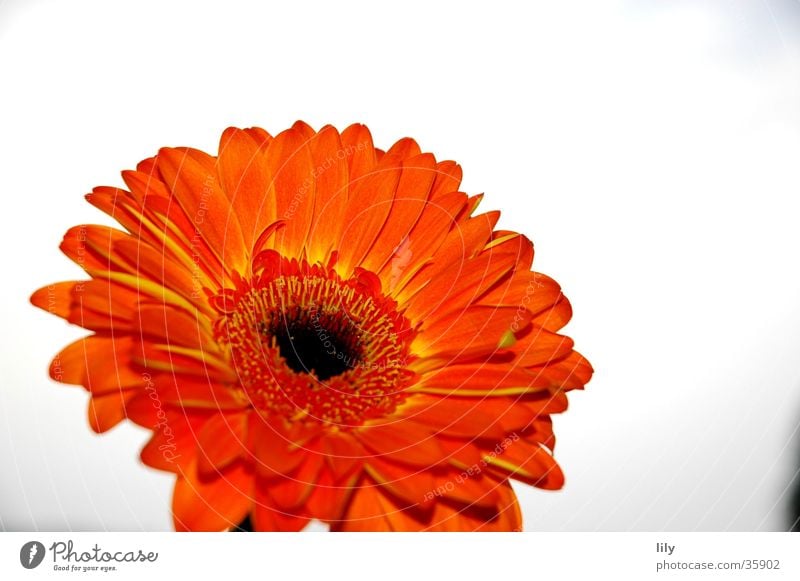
[308, 345]
[312, 341]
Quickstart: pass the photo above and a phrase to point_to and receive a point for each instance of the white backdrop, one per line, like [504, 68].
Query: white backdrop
[649, 149]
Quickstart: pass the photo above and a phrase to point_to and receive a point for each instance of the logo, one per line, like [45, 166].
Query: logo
[31, 554]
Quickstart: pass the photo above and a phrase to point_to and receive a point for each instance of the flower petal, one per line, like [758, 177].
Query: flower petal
[529, 462]
[192, 178]
[456, 517]
[392, 244]
[403, 441]
[473, 331]
[291, 167]
[243, 175]
[368, 208]
[212, 503]
[331, 172]
[103, 365]
[221, 441]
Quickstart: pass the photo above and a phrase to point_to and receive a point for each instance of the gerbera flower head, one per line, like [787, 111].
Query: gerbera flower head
[314, 328]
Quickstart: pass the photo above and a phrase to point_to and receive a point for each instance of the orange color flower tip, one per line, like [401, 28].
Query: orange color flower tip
[447, 180]
[233, 137]
[53, 298]
[255, 135]
[264, 237]
[328, 330]
[304, 129]
[357, 132]
[405, 148]
[472, 204]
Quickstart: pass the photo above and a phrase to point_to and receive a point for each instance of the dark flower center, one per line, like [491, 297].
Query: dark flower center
[313, 341]
[309, 346]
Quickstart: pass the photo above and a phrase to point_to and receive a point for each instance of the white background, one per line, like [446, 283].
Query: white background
[649, 149]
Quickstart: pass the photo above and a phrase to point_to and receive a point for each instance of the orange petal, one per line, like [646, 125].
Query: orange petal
[461, 453]
[157, 266]
[532, 290]
[474, 331]
[330, 168]
[243, 174]
[371, 510]
[539, 347]
[175, 327]
[106, 411]
[527, 461]
[97, 305]
[291, 167]
[424, 240]
[260, 135]
[150, 213]
[109, 253]
[103, 305]
[571, 372]
[404, 148]
[368, 207]
[467, 487]
[343, 453]
[510, 242]
[101, 364]
[91, 248]
[509, 414]
[403, 441]
[411, 485]
[541, 430]
[206, 503]
[556, 316]
[463, 284]
[185, 360]
[359, 151]
[392, 243]
[276, 449]
[173, 446]
[448, 178]
[456, 517]
[465, 241]
[154, 408]
[192, 177]
[478, 380]
[546, 402]
[329, 499]
[465, 417]
[221, 441]
[55, 298]
[268, 517]
[191, 393]
[290, 492]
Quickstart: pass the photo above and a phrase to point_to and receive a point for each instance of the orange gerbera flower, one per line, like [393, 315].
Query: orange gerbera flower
[314, 328]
